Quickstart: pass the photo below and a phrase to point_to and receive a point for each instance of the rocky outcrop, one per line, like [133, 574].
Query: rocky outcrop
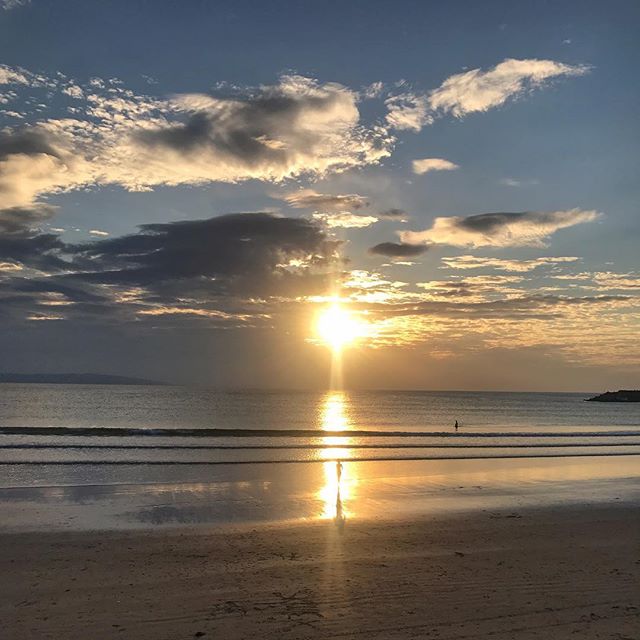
[624, 395]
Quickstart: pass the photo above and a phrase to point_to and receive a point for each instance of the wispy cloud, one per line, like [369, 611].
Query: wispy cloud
[519, 182]
[394, 214]
[478, 90]
[7, 5]
[408, 111]
[310, 199]
[475, 91]
[503, 264]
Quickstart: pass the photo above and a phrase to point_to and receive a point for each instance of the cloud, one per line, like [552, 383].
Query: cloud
[520, 307]
[476, 287]
[432, 164]
[605, 280]
[42, 251]
[309, 199]
[20, 220]
[514, 182]
[10, 266]
[99, 233]
[408, 112]
[393, 214]
[398, 250]
[7, 5]
[8, 75]
[73, 91]
[477, 90]
[20, 76]
[610, 280]
[36, 160]
[498, 229]
[517, 266]
[229, 269]
[296, 127]
[247, 247]
[345, 220]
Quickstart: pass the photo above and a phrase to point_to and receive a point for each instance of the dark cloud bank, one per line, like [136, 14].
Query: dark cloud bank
[200, 265]
[398, 250]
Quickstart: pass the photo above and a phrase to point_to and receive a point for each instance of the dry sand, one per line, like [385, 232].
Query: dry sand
[554, 573]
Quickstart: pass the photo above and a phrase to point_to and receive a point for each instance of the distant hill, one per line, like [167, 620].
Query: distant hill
[71, 378]
[624, 395]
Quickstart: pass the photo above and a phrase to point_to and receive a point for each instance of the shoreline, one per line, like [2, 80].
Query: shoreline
[548, 572]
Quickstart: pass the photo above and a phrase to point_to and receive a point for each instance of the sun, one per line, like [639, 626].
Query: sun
[337, 327]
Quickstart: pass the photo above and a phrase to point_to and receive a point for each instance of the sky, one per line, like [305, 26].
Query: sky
[186, 186]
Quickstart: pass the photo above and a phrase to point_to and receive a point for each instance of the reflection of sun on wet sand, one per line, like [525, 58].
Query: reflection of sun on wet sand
[338, 480]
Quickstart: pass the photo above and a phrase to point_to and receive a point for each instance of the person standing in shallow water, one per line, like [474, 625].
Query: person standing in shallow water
[340, 518]
[456, 425]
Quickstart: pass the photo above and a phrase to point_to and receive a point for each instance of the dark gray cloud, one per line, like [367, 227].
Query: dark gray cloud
[42, 251]
[398, 250]
[223, 270]
[28, 142]
[20, 220]
[233, 247]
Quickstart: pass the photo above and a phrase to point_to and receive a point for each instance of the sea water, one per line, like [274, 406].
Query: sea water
[112, 456]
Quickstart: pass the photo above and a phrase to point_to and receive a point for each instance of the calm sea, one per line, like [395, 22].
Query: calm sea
[273, 455]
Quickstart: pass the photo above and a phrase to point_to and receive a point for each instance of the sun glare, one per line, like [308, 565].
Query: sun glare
[338, 327]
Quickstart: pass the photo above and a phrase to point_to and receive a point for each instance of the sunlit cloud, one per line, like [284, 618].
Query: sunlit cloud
[297, 127]
[310, 199]
[345, 220]
[408, 111]
[475, 91]
[480, 288]
[425, 165]
[499, 229]
[478, 90]
[10, 266]
[603, 280]
[503, 264]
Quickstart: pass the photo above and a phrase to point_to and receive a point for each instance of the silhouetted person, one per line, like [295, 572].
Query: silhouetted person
[456, 425]
[340, 517]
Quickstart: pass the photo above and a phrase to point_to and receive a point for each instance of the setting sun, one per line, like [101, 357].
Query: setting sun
[338, 327]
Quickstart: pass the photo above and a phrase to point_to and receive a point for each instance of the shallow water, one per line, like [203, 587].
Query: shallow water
[197, 456]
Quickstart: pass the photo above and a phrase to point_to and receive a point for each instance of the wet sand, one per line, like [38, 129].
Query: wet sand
[552, 573]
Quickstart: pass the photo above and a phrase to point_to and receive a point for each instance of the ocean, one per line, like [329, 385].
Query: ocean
[113, 456]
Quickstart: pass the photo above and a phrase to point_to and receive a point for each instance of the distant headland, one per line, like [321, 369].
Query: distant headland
[72, 378]
[623, 395]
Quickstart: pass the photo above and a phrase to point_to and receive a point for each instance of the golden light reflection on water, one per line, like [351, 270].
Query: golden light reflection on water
[339, 478]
